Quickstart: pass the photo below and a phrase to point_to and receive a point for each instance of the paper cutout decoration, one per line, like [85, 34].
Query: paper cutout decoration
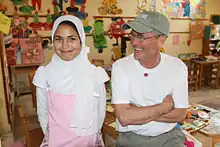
[32, 52]
[17, 2]
[109, 7]
[116, 30]
[5, 23]
[35, 4]
[36, 25]
[176, 39]
[99, 36]
[152, 5]
[186, 6]
[3, 7]
[142, 5]
[196, 30]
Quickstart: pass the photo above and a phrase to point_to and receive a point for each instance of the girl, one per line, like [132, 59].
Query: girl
[71, 95]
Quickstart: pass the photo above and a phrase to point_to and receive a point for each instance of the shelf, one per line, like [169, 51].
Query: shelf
[11, 15]
[132, 17]
[214, 39]
[179, 18]
[114, 16]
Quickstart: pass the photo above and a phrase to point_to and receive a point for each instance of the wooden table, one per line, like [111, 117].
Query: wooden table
[15, 70]
[201, 68]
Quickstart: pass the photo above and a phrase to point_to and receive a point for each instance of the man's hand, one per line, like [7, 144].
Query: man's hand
[168, 103]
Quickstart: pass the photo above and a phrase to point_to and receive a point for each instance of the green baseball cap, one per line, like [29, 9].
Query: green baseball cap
[148, 21]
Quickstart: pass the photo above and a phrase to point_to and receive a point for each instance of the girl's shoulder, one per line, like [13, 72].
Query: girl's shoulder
[101, 74]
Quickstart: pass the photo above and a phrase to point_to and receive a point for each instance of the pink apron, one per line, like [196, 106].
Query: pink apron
[59, 133]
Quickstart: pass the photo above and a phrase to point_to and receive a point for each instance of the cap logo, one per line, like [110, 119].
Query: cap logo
[144, 16]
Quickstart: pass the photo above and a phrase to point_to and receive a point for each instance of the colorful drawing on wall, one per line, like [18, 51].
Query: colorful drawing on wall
[184, 8]
[109, 7]
[196, 30]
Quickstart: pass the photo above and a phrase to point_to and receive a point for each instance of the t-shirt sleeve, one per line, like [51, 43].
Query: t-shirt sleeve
[101, 74]
[120, 86]
[180, 90]
[39, 79]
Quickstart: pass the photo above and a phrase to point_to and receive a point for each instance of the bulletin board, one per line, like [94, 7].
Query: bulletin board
[196, 30]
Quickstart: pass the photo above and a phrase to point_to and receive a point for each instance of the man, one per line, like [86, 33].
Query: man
[150, 89]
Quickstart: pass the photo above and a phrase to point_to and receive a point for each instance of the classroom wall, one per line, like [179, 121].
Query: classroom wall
[129, 7]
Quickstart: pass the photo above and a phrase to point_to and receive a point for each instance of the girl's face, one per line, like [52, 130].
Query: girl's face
[66, 42]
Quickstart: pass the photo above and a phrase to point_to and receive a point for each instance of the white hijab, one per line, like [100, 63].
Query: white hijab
[76, 77]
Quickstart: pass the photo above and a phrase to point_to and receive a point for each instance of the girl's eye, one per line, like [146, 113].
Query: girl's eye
[72, 38]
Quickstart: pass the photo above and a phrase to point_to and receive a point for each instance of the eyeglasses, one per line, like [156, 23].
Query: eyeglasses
[140, 37]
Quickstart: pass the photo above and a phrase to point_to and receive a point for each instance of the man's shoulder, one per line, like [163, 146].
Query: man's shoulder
[124, 61]
[173, 62]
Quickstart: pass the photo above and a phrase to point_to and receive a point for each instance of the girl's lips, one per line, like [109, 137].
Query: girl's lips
[69, 51]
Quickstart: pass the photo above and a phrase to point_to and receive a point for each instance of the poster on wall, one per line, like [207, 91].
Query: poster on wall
[184, 8]
[31, 50]
[196, 30]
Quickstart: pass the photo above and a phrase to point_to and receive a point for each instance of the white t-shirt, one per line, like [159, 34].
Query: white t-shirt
[131, 85]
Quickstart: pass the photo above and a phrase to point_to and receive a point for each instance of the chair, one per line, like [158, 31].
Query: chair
[97, 62]
[33, 135]
[215, 74]
[193, 75]
[33, 88]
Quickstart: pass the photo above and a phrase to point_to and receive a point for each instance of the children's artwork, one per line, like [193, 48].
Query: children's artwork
[116, 30]
[11, 55]
[142, 5]
[109, 7]
[3, 7]
[17, 2]
[35, 4]
[31, 49]
[5, 23]
[184, 8]
[196, 30]
[26, 9]
[197, 118]
[99, 36]
[152, 5]
[176, 39]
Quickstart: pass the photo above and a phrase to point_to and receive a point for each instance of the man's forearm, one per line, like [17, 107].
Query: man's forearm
[175, 116]
[139, 115]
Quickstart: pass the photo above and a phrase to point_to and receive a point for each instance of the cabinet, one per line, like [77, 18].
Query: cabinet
[210, 45]
[211, 40]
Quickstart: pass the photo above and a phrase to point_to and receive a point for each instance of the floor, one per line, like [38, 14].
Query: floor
[208, 96]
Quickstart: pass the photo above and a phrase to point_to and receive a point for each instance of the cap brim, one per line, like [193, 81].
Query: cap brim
[137, 26]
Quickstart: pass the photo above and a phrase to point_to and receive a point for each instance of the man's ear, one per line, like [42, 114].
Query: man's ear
[162, 39]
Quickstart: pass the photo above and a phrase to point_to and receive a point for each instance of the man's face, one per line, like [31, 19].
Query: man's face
[146, 45]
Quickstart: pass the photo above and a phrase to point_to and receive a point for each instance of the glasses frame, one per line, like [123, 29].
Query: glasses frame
[141, 37]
